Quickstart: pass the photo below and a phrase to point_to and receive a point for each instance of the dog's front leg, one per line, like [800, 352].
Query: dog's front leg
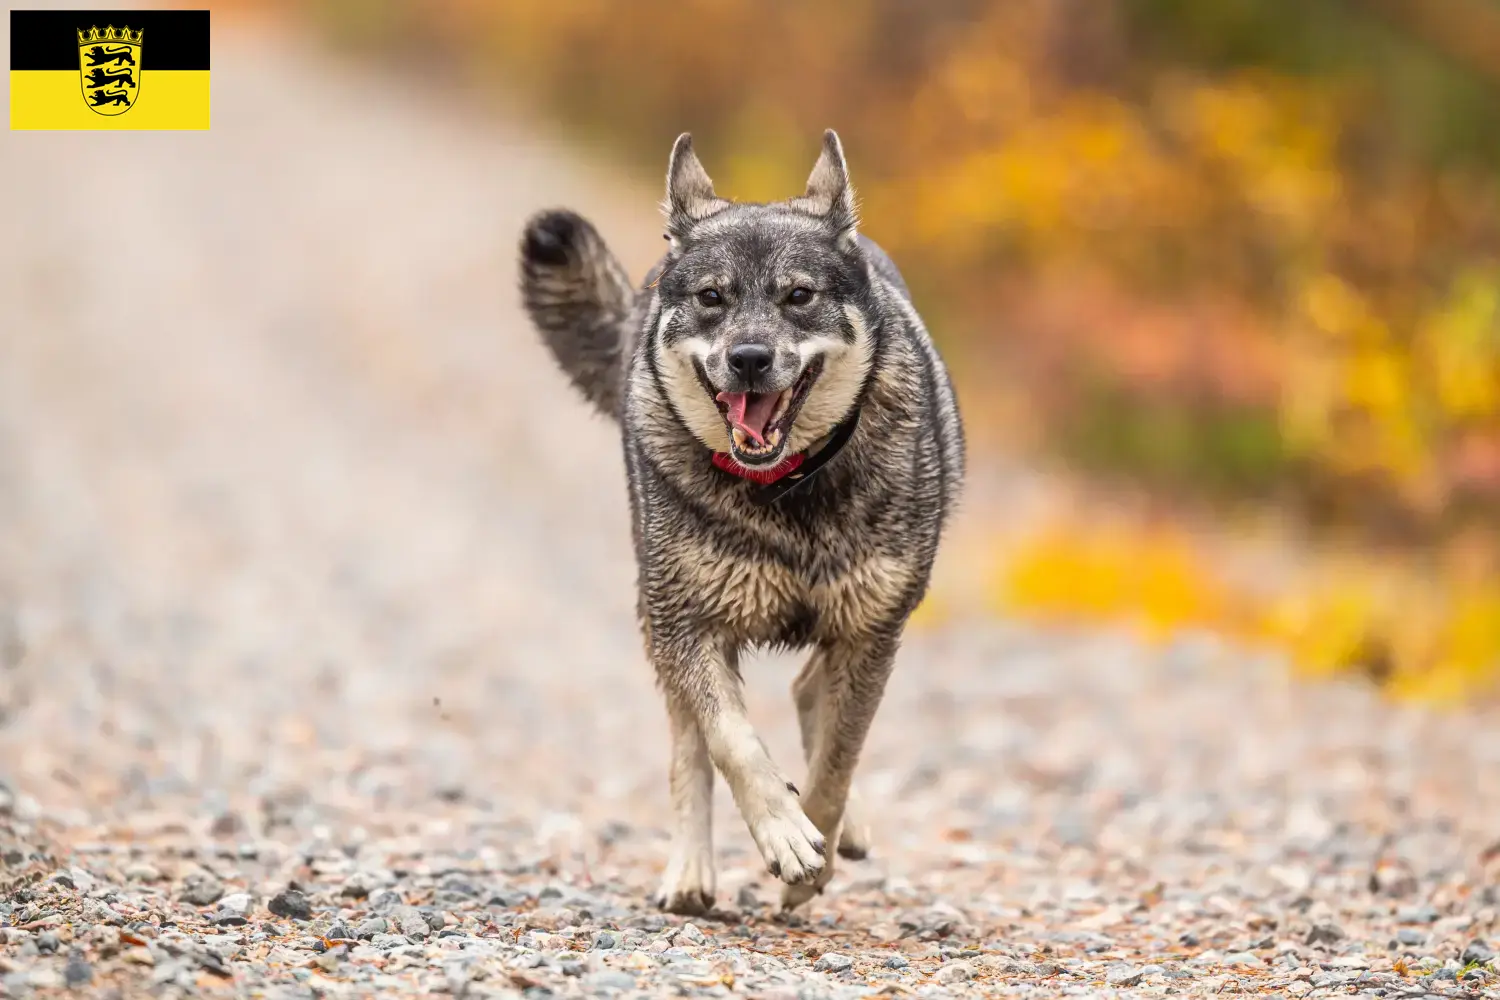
[701, 676]
[852, 676]
[809, 692]
[688, 885]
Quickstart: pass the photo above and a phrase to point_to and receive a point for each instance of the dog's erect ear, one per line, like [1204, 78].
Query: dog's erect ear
[828, 190]
[690, 192]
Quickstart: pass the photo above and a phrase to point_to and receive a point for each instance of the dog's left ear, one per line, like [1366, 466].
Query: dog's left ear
[829, 192]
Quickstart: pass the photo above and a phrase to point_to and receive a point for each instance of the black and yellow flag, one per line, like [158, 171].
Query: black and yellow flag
[109, 69]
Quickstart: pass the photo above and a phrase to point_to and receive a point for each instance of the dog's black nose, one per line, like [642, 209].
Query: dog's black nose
[750, 361]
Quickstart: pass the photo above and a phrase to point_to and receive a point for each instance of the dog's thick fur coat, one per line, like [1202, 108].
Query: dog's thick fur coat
[754, 307]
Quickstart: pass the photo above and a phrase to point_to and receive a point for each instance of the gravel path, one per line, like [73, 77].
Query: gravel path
[319, 677]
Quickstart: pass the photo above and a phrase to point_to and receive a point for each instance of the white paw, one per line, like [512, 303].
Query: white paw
[687, 886]
[791, 845]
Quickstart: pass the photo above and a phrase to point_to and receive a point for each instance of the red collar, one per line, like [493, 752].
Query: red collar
[764, 477]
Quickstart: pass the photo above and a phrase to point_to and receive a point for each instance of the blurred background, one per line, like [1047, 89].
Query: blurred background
[1219, 284]
[1226, 276]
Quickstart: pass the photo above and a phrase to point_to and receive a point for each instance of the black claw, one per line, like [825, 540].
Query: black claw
[793, 789]
[853, 853]
[821, 847]
[775, 868]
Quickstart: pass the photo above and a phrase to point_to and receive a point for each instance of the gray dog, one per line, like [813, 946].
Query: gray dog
[794, 450]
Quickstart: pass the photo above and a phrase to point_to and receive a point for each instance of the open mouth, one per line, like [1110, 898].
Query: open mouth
[760, 422]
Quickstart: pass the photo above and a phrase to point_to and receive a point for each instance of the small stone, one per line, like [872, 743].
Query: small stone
[371, 927]
[138, 956]
[411, 923]
[896, 962]
[233, 909]
[1417, 915]
[1477, 952]
[833, 962]
[610, 979]
[1123, 975]
[339, 932]
[1243, 958]
[291, 904]
[237, 902]
[435, 920]
[1325, 934]
[604, 941]
[77, 972]
[957, 972]
[1410, 936]
[46, 942]
[142, 872]
[690, 936]
[201, 889]
[746, 899]
[571, 968]
[386, 899]
[385, 942]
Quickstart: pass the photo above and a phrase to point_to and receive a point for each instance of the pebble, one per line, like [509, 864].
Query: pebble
[690, 936]
[371, 927]
[896, 962]
[410, 922]
[1123, 975]
[201, 889]
[1477, 951]
[291, 904]
[1325, 934]
[957, 972]
[832, 962]
[77, 972]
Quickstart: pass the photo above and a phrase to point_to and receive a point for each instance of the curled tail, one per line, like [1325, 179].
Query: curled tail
[580, 299]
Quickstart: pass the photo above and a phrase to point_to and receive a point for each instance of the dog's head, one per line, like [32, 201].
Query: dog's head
[762, 340]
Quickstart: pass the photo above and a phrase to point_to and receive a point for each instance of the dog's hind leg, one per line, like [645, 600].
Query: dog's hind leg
[808, 693]
[688, 884]
[854, 677]
[702, 676]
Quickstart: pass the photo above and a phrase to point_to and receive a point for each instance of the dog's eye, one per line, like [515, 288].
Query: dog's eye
[710, 297]
[800, 296]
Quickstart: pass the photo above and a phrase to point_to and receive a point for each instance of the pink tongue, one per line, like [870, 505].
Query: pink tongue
[749, 411]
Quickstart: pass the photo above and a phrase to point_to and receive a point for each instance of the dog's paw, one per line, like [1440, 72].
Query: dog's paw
[854, 835]
[793, 896]
[687, 887]
[793, 848]
[550, 238]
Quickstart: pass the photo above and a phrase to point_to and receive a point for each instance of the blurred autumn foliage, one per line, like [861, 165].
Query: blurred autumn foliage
[1252, 245]
[1247, 249]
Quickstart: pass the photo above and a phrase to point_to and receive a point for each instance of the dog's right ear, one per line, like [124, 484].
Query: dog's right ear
[690, 192]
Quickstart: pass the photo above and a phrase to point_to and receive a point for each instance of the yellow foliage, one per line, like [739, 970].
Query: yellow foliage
[1428, 640]
[1154, 581]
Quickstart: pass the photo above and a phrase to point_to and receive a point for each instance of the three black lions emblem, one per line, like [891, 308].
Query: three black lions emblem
[109, 62]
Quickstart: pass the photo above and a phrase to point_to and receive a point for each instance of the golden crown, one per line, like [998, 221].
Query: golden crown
[109, 34]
